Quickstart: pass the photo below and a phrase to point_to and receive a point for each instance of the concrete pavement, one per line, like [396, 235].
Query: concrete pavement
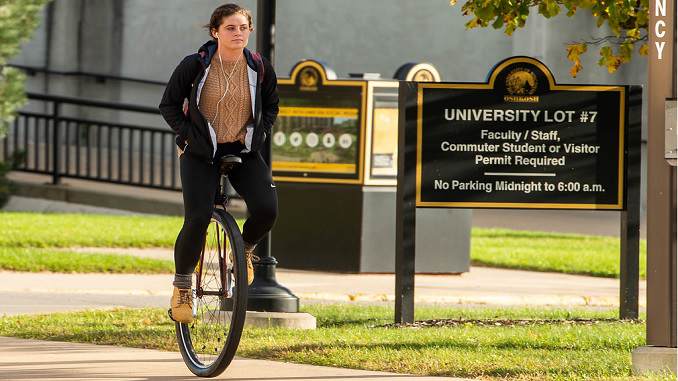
[48, 360]
[48, 292]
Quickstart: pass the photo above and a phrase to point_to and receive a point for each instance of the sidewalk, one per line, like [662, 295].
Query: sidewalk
[46, 360]
[49, 292]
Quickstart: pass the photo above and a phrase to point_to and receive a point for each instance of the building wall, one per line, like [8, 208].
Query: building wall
[147, 38]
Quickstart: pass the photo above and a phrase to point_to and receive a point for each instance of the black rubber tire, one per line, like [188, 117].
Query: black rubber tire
[230, 227]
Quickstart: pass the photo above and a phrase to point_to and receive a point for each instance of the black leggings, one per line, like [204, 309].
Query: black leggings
[252, 180]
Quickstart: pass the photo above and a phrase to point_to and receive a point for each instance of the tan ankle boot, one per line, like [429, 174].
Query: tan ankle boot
[182, 305]
[249, 255]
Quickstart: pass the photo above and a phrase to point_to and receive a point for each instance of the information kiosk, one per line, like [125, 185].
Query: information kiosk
[334, 155]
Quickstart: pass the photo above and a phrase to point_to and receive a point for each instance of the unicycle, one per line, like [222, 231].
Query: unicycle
[209, 343]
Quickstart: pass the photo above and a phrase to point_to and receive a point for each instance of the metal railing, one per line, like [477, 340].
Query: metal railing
[33, 70]
[65, 146]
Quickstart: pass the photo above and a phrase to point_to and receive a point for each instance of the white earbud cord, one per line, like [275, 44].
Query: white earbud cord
[228, 79]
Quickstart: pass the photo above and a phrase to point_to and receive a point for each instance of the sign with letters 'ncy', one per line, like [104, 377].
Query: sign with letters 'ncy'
[520, 141]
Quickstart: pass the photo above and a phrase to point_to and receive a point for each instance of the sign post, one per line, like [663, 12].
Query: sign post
[662, 313]
[520, 141]
[405, 207]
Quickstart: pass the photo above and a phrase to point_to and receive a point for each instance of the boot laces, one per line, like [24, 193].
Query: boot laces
[184, 296]
[251, 257]
[249, 253]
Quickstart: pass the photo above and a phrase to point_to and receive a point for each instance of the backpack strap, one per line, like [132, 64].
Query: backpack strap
[260, 66]
[201, 56]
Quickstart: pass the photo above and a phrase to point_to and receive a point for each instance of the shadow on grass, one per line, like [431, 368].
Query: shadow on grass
[443, 344]
[367, 323]
[490, 369]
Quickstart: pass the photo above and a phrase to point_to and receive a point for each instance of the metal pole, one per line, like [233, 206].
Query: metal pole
[629, 274]
[405, 206]
[673, 253]
[661, 219]
[56, 147]
[265, 293]
[266, 29]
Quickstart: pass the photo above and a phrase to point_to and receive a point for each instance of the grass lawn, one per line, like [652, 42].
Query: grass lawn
[566, 253]
[29, 241]
[86, 230]
[355, 337]
[32, 259]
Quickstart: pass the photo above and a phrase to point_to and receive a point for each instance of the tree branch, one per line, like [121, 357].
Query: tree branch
[609, 39]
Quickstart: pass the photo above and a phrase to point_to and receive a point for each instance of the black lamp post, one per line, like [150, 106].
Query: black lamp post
[265, 293]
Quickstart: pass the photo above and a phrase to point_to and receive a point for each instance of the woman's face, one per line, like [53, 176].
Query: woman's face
[234, 32]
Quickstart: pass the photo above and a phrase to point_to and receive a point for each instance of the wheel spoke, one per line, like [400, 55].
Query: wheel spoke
[209, 332]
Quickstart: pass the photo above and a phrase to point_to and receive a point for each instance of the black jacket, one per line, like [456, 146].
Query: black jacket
[194, 133]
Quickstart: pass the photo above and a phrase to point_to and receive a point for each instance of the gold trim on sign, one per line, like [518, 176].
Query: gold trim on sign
[340, 112]
[622, 119]
[318, 180]
[325, 81]
[318, 112]
[304, 64]
[552, 86]
[368, 134]
[361, 160]
[532, 61]
[295, 166]
[521, 205]
[420, 110]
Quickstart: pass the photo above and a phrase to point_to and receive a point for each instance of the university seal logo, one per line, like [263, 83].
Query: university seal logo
[423, 75]
[521, 81]
[309, 79]
[521, 84]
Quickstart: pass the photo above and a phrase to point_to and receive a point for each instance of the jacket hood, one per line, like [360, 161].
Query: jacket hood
[209, 49]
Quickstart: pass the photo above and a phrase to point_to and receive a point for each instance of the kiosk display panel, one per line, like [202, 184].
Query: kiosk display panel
[384, 150]
[319, 133]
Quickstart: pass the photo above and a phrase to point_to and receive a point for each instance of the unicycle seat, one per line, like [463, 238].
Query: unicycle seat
[228, 162]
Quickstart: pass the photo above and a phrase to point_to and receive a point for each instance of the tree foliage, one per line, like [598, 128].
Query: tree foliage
[18, 20]
[626, 19]
[6, 186]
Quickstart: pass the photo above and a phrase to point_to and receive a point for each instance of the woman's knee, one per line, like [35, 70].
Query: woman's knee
[198, 221]
[266, 212]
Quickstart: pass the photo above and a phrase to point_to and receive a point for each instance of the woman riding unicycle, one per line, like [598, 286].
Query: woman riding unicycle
[221, 102]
